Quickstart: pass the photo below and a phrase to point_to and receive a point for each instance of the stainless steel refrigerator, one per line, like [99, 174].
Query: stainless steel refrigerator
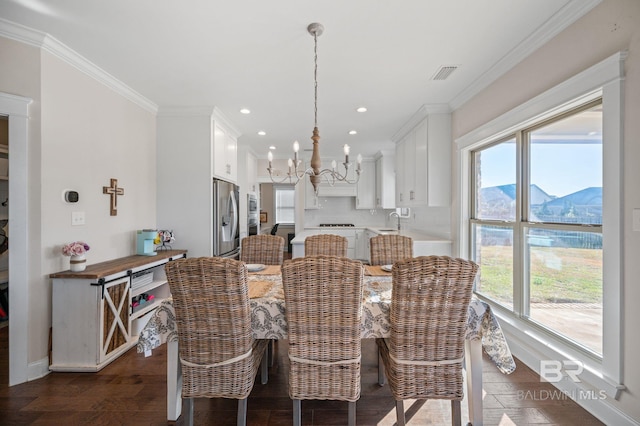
[226, 233]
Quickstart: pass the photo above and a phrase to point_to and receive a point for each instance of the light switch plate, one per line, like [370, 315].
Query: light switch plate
[77, 218]
[636, 219]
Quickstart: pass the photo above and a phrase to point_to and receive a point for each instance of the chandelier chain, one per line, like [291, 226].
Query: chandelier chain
[315, 79]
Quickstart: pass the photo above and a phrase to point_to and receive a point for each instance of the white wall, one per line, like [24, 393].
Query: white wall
[612, 26]
[81, 134]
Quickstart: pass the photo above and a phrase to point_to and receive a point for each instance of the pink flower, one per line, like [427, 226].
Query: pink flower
[75, 248]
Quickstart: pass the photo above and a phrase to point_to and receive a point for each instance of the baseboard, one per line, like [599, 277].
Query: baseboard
[38, 369]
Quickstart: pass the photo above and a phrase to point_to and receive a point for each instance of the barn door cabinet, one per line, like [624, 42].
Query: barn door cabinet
[94, 319]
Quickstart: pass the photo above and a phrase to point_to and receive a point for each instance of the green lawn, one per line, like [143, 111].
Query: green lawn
[558, 275]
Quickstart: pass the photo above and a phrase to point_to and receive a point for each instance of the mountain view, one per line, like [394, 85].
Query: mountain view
[583, 206]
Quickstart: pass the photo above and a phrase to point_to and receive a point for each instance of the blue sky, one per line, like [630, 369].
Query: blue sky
[558, 169]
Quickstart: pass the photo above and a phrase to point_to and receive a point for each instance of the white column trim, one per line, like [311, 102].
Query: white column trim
[17, 109]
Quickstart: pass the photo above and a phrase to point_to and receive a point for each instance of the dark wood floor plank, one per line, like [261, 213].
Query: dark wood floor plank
[132, 391]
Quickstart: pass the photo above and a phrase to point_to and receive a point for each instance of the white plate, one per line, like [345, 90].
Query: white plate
[255, 267]
[387, 268]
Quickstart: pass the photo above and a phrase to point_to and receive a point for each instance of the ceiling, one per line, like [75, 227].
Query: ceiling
[257, 54]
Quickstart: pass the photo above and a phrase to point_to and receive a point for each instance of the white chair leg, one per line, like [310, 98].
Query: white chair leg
[242, 412]
[400, 413]
[264, 368]
[189, 413]
[382, 379]
[456, 415]
[297, 413]
[352, 413]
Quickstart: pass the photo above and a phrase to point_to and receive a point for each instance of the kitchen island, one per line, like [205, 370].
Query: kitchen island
[423, 244]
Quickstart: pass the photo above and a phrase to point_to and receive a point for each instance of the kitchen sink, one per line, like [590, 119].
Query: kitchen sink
[387, 230]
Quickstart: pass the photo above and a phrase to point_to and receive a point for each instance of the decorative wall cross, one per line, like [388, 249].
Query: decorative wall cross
[113, 191]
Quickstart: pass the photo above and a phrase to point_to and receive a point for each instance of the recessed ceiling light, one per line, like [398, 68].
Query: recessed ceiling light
[272, 147]
[353, 132]
[362, 109]
[262, 133]
[245, 111]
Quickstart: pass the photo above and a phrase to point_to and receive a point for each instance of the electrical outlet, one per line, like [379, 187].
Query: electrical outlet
[77, 218]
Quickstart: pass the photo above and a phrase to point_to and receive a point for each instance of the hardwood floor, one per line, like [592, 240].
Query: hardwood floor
[132, 391]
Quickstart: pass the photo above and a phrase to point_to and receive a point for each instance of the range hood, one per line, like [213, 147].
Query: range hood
[340, 189]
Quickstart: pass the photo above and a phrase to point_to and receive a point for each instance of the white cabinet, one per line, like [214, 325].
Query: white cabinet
[366, 188]
[423, 163]
[225, 156]
[385, 180]
[94, 319]
[362, 245]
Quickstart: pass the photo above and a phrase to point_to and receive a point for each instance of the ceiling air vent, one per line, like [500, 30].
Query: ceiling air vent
[444, 72]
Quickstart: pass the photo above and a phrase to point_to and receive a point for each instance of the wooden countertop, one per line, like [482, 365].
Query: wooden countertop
[110, 267]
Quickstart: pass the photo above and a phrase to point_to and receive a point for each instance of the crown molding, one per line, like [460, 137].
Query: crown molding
[423, 112]
[569, 14]
[186, 111]
[212, 112]
[51, 45]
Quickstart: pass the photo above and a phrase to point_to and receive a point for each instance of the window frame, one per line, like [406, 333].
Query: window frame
[283, 187]
[531, 344]
[522, 216]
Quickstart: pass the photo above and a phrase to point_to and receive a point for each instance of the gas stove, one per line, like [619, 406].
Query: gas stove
[336, 225]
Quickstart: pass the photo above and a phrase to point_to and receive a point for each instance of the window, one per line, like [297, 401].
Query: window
[284, 196]
[540, 209]
[547, 219]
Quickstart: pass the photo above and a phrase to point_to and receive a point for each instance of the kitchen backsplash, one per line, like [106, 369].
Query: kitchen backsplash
[343, 210]
[432, 220]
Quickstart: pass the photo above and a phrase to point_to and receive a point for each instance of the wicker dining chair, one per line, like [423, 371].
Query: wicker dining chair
[423, 357]
[326, 245]
[388, 249]
[323, 296]
[218, 355]
[262, 248]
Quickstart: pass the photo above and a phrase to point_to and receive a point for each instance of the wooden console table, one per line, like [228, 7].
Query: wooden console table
[94, 320]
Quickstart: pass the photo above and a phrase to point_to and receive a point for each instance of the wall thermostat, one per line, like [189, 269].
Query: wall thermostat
[71, 196]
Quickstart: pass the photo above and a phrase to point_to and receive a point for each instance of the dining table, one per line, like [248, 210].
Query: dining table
[269, 321]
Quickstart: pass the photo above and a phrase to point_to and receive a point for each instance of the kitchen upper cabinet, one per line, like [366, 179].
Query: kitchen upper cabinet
[402, 199]
[225, 155]
[385, 180]
[366, 191]
[423, 163]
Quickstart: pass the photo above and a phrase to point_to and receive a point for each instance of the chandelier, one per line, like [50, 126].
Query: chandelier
[315, 172]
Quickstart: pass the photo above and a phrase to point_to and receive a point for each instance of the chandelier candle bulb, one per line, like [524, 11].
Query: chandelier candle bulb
[290, 163]
[333, 164]
[270, 158]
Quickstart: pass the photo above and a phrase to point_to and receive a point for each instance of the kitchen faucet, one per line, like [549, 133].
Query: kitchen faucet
[398, 216]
